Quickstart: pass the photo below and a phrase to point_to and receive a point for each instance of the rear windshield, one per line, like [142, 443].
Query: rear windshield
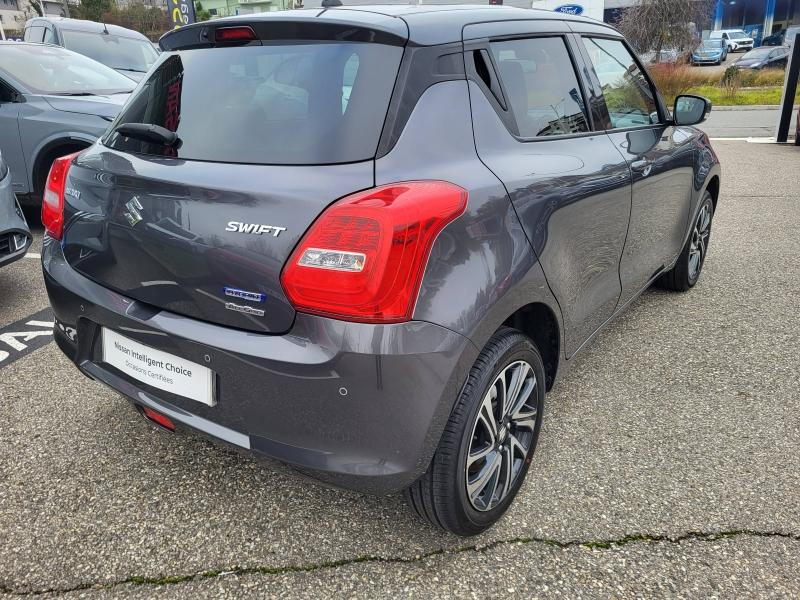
[309, 103]
[125, 54]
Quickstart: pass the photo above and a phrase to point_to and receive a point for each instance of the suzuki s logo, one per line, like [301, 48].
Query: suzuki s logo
[253, 228]
[134, 212]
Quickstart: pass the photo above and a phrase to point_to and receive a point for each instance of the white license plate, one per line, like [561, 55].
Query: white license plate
[159, 369]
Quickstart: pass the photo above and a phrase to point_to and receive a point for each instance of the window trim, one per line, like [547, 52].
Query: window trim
[506, 114]
[663, 114]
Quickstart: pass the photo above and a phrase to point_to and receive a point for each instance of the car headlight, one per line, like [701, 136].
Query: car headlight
[3, 169]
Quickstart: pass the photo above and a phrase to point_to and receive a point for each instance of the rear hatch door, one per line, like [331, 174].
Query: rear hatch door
[268, 135]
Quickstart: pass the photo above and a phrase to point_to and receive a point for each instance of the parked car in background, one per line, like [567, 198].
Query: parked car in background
[124, 50]
[52, 102]
[735, 39]
[665, 55]
[366, 242]
[710, 52]
[764, 58]
[784, 37]
[15, 238]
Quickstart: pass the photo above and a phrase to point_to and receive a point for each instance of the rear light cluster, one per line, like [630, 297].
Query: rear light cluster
[53, 198]
[364, 258]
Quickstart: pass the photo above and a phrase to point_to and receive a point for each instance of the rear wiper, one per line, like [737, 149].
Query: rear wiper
[148, 132]
[75, 94]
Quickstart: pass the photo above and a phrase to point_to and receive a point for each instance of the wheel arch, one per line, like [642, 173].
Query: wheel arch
[49, 152]
[713, 188]
[538, 321]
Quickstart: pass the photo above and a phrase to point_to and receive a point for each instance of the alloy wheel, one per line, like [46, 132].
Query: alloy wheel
[699, 245]
[502, 436]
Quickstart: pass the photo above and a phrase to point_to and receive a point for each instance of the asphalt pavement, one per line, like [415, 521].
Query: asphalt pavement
[668, 462]
[745, 122]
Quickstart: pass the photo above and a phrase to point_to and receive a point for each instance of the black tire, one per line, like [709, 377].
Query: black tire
[683, 276]
[440, 495]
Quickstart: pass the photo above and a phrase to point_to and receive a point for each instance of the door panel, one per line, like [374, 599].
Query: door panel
[661, 160]
[573, 197]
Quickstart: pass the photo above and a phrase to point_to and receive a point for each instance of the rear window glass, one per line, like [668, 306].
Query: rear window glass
[311, 103]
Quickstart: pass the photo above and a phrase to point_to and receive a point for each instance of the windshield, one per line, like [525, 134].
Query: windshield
[715, 44]
[298, 103]
[758, 53]
[53, 70]
[737, 35]
[127, 54]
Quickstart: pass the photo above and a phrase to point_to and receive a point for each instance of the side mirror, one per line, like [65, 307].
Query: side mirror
[690, 110]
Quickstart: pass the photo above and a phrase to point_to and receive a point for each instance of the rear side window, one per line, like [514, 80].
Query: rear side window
[34, 34]
[628, 95]
[308, 103]
[541, 86]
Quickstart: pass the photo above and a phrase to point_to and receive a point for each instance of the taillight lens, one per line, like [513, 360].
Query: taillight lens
[53, 198]
[364, 258]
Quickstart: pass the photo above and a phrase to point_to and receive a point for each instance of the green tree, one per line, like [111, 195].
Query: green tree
[659, 24]
[200, 13]
[35, 7]
[93, 10]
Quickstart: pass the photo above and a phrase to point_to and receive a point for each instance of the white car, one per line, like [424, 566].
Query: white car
[736, 39]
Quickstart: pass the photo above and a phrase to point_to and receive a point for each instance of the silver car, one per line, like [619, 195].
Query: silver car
[52, 102]
[15, 238]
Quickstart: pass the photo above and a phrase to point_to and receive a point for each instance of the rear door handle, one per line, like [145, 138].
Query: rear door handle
[642, 166]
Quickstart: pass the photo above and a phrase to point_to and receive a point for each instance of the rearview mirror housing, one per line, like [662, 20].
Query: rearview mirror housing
[691, 110]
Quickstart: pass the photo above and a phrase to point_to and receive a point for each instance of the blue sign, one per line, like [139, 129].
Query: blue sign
[570, 9]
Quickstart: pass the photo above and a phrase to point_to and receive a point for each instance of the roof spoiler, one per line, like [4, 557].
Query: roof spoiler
[204, 35]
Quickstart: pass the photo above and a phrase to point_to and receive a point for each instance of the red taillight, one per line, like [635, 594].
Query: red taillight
[53, 198]
[235, 34]
[364, 258]
[158, 418]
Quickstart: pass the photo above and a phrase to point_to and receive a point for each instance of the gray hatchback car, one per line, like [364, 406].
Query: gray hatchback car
[366, 241]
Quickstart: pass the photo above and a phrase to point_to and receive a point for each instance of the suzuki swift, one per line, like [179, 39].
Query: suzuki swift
[365, 241]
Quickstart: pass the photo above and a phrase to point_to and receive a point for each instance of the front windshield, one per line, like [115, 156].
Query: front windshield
[53, 70]
[737, 35]
[715, 44]
[758, 53]
[127, 54]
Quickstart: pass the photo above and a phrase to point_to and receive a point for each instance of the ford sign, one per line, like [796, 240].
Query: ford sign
[570, 9]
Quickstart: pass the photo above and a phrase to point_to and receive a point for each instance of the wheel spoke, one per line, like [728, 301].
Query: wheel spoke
[486, 418]
[485, 477]
[476, 455]
[508, 471]
[518, 378]
[524, 395]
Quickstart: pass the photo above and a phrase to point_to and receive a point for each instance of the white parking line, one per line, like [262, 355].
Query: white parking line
[33, 255]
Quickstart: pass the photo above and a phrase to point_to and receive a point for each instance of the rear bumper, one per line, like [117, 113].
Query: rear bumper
[356, 405]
